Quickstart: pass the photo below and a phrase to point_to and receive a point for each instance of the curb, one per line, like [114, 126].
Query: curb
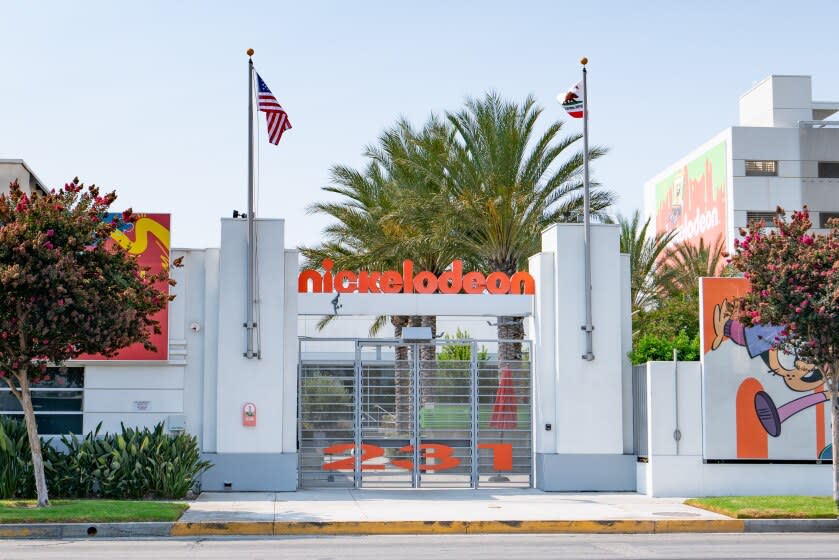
[280, 528]
[85, 530]
[792, 525]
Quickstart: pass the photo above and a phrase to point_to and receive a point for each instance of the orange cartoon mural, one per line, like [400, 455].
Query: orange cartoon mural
[752, 391]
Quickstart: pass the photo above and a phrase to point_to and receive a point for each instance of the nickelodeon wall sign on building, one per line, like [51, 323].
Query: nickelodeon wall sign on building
[452, 281]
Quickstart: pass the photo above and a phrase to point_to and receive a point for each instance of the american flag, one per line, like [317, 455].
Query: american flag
[277, 117]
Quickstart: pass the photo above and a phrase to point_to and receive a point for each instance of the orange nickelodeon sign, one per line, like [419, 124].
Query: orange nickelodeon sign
[452, 281]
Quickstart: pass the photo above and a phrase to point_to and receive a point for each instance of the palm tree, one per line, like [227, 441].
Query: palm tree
[686, 262]
[507, 183]
[644, 250]
[385, 215]
[416, 163]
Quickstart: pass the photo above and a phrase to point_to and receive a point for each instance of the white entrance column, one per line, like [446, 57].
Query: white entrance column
[260, 455]
[582, 409]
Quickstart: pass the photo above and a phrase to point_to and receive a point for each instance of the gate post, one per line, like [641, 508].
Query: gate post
[415, 375]
[357, 418]
[473, 398]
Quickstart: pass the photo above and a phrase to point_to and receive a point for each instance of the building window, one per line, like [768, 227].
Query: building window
[761, 168]
[767, 217]
[829, 170]
[57, 399]
[825, 217]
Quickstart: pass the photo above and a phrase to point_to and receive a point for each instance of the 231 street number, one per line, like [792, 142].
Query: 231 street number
[442, 456]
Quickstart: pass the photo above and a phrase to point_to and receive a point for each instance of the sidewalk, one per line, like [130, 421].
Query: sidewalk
[414, 512]
[441, 511]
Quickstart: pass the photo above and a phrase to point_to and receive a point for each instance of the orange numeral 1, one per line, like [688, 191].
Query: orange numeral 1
[502, 455]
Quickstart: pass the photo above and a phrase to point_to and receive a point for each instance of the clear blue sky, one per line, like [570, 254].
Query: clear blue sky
[150, 98]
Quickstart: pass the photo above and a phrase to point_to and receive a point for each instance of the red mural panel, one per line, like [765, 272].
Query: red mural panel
[148, 238]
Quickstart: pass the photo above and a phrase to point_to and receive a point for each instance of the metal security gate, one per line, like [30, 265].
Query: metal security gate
[388, 414]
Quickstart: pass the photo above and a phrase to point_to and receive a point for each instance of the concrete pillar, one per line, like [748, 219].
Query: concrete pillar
[261, 457]
[583, 401]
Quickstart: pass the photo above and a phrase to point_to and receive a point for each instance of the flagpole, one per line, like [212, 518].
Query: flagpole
[588, 327]
[249, 324]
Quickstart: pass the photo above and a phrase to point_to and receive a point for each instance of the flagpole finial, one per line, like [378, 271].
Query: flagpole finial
[584, 61]
[250, 52]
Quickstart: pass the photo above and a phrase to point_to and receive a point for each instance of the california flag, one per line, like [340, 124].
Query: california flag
[572, 100]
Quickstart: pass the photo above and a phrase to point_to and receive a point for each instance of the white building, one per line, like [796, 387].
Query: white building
[570, 425]
[784, 152]
[17, 170]
[549, 420]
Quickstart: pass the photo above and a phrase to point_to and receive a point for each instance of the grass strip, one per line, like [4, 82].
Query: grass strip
[93, 511]
[770, 507]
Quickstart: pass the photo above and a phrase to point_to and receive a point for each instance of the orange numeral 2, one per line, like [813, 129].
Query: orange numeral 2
[368, 452]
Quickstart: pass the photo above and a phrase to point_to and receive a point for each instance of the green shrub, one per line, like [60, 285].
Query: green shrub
[16, 479]
[650, 348]
[71, 473]
[322, 396]
[120, 469]
[453, 351]
[174, 464]
[134, 463]
[453, 373]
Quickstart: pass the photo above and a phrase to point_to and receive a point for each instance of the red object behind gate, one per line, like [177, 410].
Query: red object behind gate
[505, 410]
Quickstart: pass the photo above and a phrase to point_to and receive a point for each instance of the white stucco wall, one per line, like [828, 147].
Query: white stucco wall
[145, 393]
[678, 469]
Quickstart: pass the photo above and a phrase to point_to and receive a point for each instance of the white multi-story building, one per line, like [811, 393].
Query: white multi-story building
[784, 152]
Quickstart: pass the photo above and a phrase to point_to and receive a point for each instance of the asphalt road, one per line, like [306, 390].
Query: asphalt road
[442, 547]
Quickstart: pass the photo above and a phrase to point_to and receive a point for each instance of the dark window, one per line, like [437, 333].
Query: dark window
[761, 168]
[829, 169]
[55, 424]
[767, 217]
[825, 217]
[57, 399]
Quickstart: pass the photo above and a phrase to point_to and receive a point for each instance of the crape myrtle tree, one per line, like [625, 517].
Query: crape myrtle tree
[794, 277]
[66, 291]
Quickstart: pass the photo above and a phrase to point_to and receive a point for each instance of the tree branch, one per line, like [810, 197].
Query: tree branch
[15, 390]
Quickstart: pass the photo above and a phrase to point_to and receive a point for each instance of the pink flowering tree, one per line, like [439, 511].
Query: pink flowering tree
[66, 291]
[794, 276]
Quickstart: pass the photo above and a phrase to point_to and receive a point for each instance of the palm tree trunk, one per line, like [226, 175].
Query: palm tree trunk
[25, 398]
[428, 360]
[401, 377]
[509, 328]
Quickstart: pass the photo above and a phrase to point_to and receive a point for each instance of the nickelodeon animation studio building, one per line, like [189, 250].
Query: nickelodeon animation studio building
[279, 405]
[283, 406]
